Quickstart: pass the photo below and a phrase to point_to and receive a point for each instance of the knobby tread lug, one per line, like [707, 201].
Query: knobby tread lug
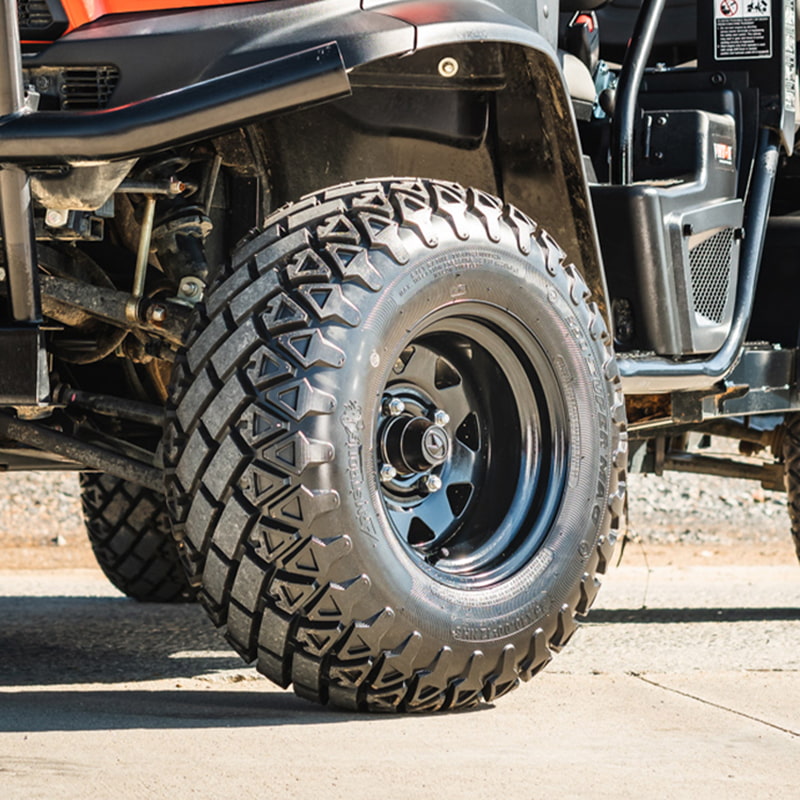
[467, 689]
[307, 266]
[241, 630]
[326, 301]
[246, 459]
[253, 296]
[228, 453]
[234, 526]
[352, 263]
[505, 676]
[274, 633]
[216, 582]
[489, 210]
[315, 213]
[280, 251]
[218, 296]
[590, 585]
[317, 641]
[201, 521]
[307, 677]
[196, 398]
[217, 330]
[282, 313]
[225, 406]
[538, 657]
[429, 690]
[239, 343]
[196, 454]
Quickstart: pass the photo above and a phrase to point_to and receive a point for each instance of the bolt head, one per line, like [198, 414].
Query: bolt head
[448, 67]
[56, 217]
[395, 407]
[176, 186]
[441, 417]
[157, 314]
[432, 483]
[388, 473]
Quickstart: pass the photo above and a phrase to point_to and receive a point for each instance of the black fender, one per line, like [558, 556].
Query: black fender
[539, 162]
[541, 168]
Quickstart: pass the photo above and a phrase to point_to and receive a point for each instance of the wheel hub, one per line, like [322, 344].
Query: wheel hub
[413, 444]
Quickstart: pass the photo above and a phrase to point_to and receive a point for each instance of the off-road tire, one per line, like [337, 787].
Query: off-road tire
[272, 461]
[791, 461]
[129, 530]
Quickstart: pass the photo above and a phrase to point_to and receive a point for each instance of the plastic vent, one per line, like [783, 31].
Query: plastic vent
[34, 14]
[710, 268]
[88, 87]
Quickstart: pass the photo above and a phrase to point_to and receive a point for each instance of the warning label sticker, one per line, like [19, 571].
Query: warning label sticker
[742, 29]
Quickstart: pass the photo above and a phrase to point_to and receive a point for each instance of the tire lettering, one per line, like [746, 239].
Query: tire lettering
[353, 423]
[500, 630]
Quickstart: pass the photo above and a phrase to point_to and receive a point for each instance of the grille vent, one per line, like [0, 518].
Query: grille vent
[34, 14]
[86, 88]
[710, 269]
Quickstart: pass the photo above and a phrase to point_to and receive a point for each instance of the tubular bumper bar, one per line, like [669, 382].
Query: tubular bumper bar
[281, 85]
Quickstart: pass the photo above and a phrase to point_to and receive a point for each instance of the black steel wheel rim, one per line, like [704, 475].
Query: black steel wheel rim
[472, 445]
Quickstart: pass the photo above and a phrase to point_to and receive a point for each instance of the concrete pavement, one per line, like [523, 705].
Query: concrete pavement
[685, 683]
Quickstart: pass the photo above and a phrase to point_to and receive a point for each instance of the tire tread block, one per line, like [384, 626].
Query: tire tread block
[130, 534]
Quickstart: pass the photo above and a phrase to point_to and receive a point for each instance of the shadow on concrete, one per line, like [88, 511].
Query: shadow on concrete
[677, 615]
[64, 640]
[126, 709]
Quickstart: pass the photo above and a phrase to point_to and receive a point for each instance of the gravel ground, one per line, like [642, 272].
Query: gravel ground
[701, 509]
[38, 508]
[42, 510]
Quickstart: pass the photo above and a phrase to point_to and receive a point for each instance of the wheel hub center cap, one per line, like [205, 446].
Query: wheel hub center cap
[415, 444]
[435, 445]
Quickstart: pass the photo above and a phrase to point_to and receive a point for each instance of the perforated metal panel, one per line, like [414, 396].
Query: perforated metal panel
[710, 271]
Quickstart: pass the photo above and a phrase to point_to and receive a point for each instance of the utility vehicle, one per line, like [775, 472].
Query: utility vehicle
[373, 305]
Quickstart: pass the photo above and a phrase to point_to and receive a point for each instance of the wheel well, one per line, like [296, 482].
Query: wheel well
[494, 116]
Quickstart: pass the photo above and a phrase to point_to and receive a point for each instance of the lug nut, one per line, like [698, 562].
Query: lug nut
[432, 483]
[441, 417]
[388, 473]
[395, 407]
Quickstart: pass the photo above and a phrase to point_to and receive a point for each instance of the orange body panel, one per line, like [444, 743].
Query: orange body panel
[79, 12]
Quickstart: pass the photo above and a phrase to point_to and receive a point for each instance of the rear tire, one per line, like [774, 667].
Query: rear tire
[791, 461]
[129, 530]
[326, 355]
